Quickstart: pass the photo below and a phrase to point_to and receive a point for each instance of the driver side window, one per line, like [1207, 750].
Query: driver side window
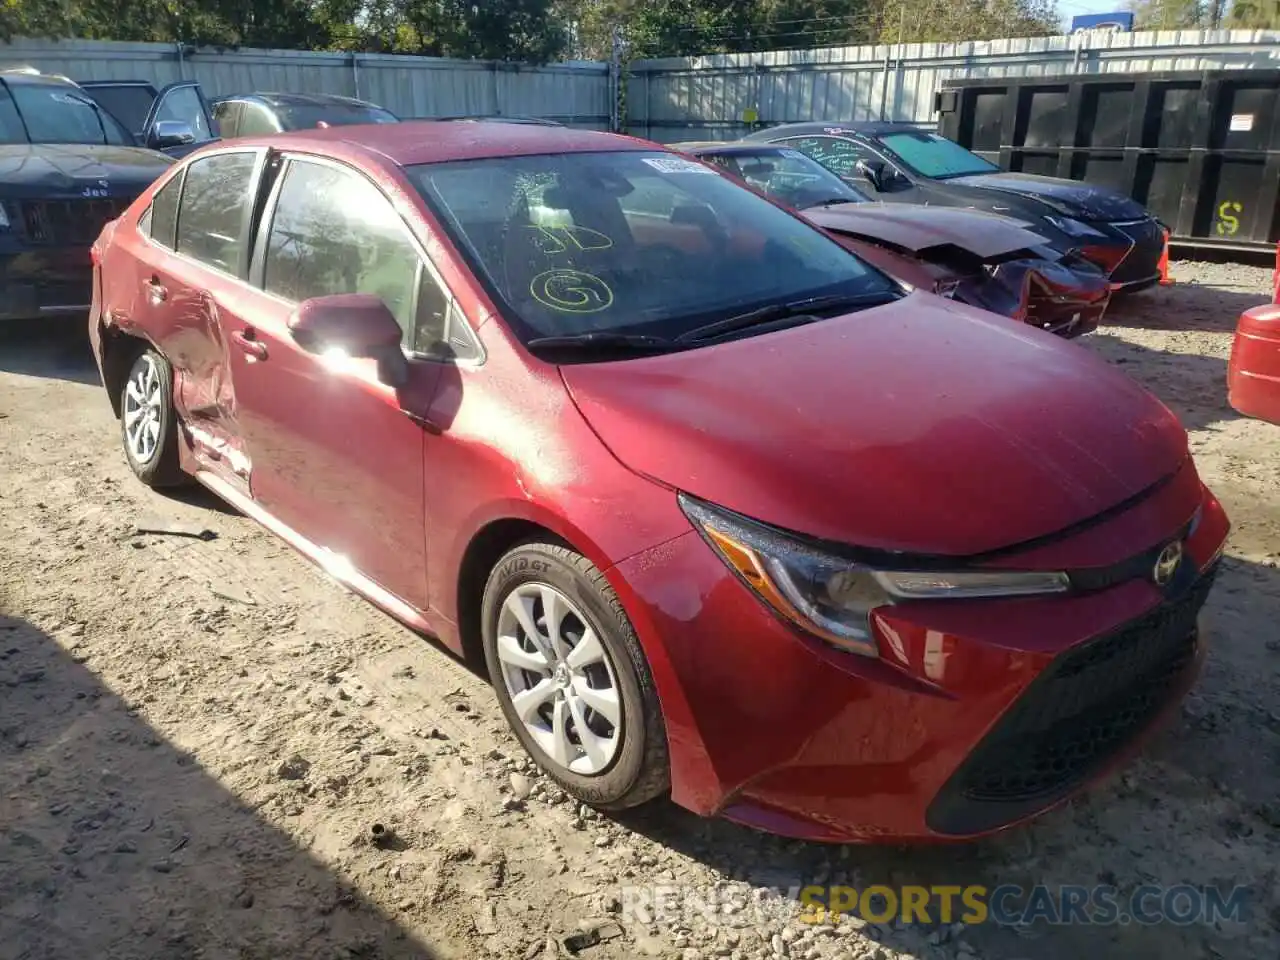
[185, 106]
[334, 232]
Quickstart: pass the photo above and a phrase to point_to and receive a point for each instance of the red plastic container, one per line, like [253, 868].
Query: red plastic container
[1253, 375]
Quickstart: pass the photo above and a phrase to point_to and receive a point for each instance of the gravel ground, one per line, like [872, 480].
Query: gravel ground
[198, 735]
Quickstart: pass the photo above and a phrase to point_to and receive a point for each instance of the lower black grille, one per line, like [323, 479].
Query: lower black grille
[68, 222]
[1088, 705]
[1143, 261]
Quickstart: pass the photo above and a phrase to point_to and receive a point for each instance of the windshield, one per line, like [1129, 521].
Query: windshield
[49, 113]
[787, 176]
[306, 116]
[631, 242]
[933, 156]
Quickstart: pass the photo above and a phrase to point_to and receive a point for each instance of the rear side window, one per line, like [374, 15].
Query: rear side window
[160, 222]
[255, 121]
[226, 116]
[213, 213]
[838, 156]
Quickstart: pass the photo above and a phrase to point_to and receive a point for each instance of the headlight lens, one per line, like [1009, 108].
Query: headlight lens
[832, 597]
[4, 217]
[1074, 228]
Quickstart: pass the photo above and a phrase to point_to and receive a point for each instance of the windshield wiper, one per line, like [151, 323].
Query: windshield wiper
[604, 341]
[802, 311]
[830, 202]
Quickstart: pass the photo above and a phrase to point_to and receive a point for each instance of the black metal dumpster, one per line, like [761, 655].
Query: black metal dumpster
[1200, 150]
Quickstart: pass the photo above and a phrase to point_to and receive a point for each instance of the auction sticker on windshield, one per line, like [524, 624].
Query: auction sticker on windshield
[676, 165]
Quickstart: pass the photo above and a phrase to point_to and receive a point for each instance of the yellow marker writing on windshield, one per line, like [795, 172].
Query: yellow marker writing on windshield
[571, 291]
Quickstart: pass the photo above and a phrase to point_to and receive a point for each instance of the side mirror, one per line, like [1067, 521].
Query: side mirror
[356, 324]
[171, 133]
[872, 171]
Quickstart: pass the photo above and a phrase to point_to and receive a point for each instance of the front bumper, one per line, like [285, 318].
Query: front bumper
[771, 728]
[45, 283]
[1139, 267]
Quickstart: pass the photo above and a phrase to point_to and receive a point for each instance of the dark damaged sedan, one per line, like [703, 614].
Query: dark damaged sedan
[902, 164]
[982, 259]
[67, 168]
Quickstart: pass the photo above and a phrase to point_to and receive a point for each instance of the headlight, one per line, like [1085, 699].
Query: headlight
[1074, 228]
[4, 217]
[832, 597]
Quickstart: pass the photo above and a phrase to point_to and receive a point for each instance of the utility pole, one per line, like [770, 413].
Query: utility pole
[615, 80]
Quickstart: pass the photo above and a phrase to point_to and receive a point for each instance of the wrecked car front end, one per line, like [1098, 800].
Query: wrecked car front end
[1067, 297]
[978, 259]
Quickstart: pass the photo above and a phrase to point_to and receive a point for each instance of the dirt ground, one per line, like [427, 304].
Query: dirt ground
[198, 735]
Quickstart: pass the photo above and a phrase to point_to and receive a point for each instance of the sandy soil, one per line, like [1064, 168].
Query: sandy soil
[198, 735]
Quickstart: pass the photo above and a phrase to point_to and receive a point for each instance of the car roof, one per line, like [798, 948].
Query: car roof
[16, 75]
[439, 141]
[301, 99]
[735, 146]
[866, 128]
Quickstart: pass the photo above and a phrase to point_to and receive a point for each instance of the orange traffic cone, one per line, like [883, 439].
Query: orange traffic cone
[1165, 279]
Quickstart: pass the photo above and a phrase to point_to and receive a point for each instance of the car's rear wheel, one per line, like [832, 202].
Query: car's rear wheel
[148, 423]
[571, 677]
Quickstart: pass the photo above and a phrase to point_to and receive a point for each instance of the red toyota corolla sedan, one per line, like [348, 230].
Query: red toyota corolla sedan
[727, 511]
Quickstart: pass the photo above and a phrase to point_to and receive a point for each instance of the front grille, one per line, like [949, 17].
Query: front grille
[67, 222]
[1143, 261]
[1086, 707]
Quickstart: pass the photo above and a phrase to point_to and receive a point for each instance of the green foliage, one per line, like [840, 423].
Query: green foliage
[686, 27]
[1171, 14]
[1254, 15]
[541, 30]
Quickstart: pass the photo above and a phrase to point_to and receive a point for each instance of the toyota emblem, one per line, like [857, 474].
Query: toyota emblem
[1167, 564]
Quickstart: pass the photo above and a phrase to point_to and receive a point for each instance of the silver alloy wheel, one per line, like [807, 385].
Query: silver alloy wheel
[559, 678]
[142, 403]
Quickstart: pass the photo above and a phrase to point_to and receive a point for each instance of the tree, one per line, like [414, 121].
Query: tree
[1254, 15]
[540, 30]
[919, 21]
[1170, 14]
[500, 29]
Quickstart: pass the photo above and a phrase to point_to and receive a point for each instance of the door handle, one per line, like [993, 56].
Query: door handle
[156, 292]
[250, 344]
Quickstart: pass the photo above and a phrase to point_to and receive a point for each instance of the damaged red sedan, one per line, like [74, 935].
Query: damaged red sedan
[727, 512]
[983, 259]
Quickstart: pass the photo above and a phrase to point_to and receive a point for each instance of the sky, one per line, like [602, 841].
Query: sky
[1073, 8]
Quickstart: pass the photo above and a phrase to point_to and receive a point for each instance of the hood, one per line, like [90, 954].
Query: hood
[73, 170]
[923, 426]
[917, 228]
[1081, 200]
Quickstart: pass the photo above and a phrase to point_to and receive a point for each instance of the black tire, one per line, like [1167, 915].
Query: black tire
[162, 468]
[640, 769]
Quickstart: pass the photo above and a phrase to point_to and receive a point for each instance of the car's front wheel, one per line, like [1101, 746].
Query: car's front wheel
[571, 677]
[148, 422]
